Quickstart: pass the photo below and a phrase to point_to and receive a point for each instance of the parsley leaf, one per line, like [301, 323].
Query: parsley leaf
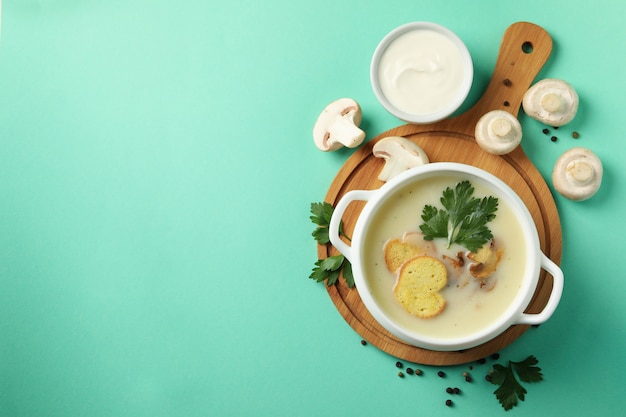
[526, 370]
[347, 273]
[321, 214]
[510, 390]
[463, 219]
[331, 268]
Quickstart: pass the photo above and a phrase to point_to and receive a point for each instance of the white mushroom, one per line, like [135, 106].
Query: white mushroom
[577, 174]
[498, 132]
[551, 101]
[338, 126]
[399, 154]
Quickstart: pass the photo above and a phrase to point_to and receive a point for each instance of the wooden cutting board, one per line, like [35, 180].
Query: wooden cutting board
[524, 50]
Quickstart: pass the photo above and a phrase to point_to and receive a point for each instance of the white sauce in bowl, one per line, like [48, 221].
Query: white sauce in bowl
[421, 72]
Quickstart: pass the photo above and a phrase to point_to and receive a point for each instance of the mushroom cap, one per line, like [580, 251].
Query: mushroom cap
[577, 174]
[498, 132]
[399, 154]
[338, 124]
[551, 101]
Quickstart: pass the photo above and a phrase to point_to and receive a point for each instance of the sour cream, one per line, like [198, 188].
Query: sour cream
[421, 72]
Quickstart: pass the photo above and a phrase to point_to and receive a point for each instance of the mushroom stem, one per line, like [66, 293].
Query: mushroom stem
[393, 166]
[345, 131]
[579, 172]
[551, 102]
[500, 127]
[498, 132]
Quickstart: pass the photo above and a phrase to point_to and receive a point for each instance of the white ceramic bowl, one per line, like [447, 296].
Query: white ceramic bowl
[512, 314]
[464, 72]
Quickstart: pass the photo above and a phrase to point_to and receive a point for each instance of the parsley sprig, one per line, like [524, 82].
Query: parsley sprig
[332, 267]
[510, 390]
[464, 217]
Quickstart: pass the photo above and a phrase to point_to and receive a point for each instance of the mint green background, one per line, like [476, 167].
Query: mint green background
[156, 172]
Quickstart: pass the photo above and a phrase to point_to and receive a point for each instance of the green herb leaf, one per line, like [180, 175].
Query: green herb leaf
[510, 390]
[333, 277]
[347, 273]
[464, 217]
[436, 223]
[333, 267]
[321, 235]
[526, 370]
[332, 263]
[318, 274]
[321, 213]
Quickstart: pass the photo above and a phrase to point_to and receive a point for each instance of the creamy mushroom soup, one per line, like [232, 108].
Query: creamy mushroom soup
[471, 304]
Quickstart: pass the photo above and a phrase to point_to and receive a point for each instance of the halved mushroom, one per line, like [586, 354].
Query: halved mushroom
[498, 132]
[486, 260]
[551, 101]
[338, 125]
[577, 174]
[399, 154]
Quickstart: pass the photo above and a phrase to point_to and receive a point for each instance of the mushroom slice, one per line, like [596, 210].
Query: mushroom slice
[458, 275]
[399, 154]
[338, 125]
[577, 174]
[498, 132]
[486, 260]
[551, 101]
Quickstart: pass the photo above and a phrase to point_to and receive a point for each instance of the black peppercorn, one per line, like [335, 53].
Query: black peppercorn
[449, 403]
[554, 138]
[363, 342]
[409, 371]
[545, 131]
[495, 356]
[456, 391]
[399, 364]
[441, 374]
[449, 390]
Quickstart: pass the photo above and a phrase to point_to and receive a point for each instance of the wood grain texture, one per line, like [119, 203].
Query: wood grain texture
[524, 49]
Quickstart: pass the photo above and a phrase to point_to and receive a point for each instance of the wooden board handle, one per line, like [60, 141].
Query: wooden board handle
[524, 49]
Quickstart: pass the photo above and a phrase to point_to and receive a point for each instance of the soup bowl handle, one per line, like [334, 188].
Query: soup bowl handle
[555, 296]
[335, 220]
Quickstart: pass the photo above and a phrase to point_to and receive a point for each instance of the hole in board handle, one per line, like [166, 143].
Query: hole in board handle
[527, 47]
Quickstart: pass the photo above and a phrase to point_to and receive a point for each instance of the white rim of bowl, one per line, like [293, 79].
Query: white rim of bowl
[430, 117]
